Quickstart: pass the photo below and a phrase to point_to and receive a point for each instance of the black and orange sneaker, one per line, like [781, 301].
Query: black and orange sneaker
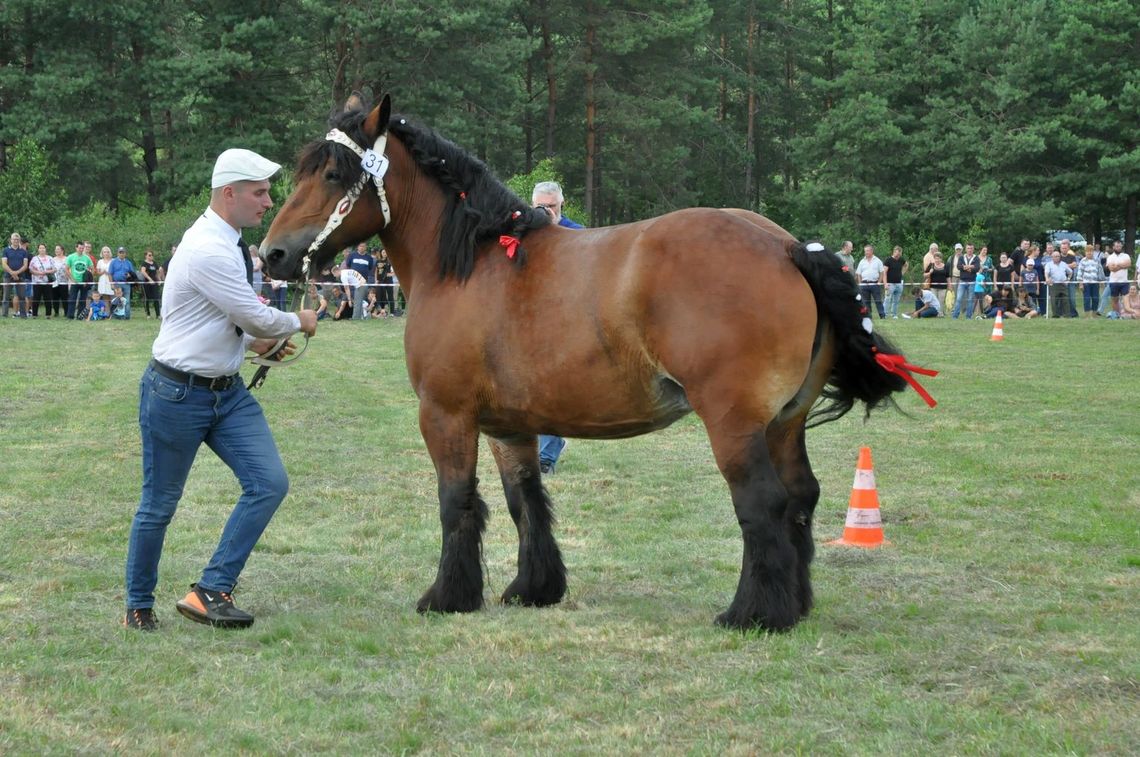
[214, 608]
[142, 619]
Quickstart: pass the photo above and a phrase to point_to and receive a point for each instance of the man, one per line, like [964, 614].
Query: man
[360, 261]
[967, 275]
[1118, 264]
[848, 259]
[191, 394]
[79, 264]
[15, 261]
[1057, 274]
[1019, 254]
[123, 273]
[872, 277]
[896, 268]
[926, 304]
[1069, 258]
[548, 196]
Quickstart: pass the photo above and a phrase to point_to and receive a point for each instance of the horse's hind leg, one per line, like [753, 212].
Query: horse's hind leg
[789, 455]
[767, 595]
[452, 442]
[541, 578]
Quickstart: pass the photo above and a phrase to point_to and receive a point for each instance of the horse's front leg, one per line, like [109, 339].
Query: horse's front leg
[453, 443]
[541, 579]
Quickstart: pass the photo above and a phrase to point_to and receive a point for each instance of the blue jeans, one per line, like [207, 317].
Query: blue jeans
[77, 299]
[894, 295]
[549, 448]
[1092, 297]
[963, 299]
[873, 293]
[175, 419]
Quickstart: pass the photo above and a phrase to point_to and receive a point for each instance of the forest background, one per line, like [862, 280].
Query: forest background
[897, 122]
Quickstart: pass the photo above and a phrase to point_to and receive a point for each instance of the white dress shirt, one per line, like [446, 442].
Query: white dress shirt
[205, 296]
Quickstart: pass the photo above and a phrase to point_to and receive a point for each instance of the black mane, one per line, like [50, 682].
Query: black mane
[478, 208]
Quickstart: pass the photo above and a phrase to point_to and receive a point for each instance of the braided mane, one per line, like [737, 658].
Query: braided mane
[478, 208]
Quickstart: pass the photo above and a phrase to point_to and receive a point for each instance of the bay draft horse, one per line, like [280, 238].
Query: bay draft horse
[518, 327]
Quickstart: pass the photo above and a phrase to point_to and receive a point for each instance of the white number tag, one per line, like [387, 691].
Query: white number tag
[374, 163]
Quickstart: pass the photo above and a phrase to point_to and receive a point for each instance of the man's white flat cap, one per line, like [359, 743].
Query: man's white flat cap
[241, 165]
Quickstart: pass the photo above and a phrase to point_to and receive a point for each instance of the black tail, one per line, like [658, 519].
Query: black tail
[856, 376]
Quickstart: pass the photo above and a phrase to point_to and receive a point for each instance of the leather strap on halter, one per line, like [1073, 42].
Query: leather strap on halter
[344, 207]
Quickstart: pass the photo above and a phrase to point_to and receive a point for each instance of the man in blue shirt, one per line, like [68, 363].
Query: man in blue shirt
[15, 262]
[123, 273]
[360, 261]
[548, 196]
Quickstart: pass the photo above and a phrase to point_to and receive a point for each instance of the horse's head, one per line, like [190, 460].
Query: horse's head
[336, 202]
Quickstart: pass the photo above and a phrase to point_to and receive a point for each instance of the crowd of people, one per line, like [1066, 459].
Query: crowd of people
[79, 286]
[1023, 283]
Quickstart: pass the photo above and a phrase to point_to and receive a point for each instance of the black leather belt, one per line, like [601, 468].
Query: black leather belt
[217, 384]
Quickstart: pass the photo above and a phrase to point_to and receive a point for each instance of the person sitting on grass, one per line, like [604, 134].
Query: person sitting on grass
[118, 305]
[342, 305]
[926, 304]
[97, 311]
[1025, 307]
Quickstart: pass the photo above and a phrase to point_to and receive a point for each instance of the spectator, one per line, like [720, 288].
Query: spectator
[103, 269]
[1056, 277]
[982, 285]
[42, 271]
[15, 263]
[967, 267]
[1006, 272]
[928, 258]
[150, 289]
[1025, 307]
[548, 196]
[258, 282]
[342, 308]
[1019, 254]
[1089, 275]
[360, 261]
[926, 304]
[1118, 265]
[277, 291]
[97, 310]
[896, 268]
[1003, 300]
[936, 277]
[61, 282]
[1031, 279]
[355, 287]
[1069, 258]
[123, 273]
[119, 309]
[372, 307]
[386, 283]
[81, 266]
[844, 254]
[872, 277]
[955, 266]
[317, 302]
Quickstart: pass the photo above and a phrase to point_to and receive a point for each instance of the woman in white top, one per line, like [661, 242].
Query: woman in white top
[41, 268]
[103, 268]
[60, 282]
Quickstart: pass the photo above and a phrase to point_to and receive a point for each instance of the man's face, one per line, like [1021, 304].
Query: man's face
[248, 201]
[1064, 246]
[87, 248]
[868, 251]
[14, 240]
[122, 254]
[550, 203]
[362, 248]
[969, 249]
[1117, 246]
[1056, 257]
[896, 254]
[1025, 245]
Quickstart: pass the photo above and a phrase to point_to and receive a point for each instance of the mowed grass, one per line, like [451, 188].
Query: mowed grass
[1002, 618]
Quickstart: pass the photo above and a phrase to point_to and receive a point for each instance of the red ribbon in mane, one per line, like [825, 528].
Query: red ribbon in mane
[898, 365]
[510, 244]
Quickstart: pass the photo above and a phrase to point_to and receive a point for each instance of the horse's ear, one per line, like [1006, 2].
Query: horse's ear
[377, 120]
[354, 102]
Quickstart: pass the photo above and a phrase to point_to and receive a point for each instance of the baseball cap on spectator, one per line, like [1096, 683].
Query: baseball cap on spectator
[122, 249]
[958, 246]
[241, 165]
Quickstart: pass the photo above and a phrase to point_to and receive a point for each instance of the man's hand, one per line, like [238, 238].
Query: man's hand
[261, 346]
[308, 321]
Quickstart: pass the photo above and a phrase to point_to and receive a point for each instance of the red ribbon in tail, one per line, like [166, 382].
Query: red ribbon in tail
[510, 244]
[898, 365]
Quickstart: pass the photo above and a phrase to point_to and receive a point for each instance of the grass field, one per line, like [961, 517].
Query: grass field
[1003, 618]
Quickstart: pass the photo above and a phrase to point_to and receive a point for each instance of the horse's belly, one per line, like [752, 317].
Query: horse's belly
[608, 415]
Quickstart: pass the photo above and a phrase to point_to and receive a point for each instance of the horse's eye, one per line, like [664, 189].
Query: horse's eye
[332, 176]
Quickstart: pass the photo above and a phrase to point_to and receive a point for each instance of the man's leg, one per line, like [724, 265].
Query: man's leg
[126, 299]
[242, 439]
[173, 423]
[549, 449]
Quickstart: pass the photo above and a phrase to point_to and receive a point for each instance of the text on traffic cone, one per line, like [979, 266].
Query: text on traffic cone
[864, 526]
[997, 335]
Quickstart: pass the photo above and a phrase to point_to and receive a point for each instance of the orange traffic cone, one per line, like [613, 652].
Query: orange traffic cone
[997, 335]
[864, 528]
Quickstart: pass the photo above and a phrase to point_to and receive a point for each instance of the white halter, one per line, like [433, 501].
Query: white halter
[374, 165]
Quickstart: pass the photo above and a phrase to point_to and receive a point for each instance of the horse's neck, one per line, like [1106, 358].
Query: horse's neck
[412, 239]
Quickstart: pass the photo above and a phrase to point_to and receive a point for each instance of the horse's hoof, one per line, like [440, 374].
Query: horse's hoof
[739, 622]
[431, 602]
[522, 594]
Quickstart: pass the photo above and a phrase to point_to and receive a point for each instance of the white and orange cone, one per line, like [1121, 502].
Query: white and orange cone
[864, 527]
[997, 335]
